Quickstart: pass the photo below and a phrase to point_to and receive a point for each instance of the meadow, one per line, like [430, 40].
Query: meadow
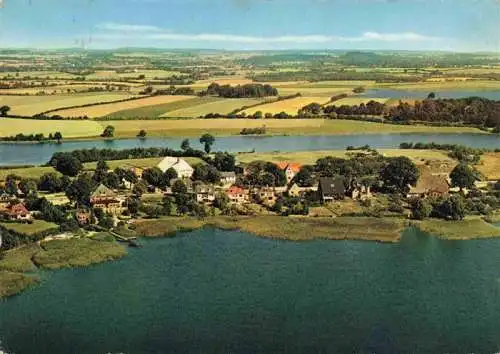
[68, 128]
[30, 229]
[144, 107]
[357, 100]
[489, 166]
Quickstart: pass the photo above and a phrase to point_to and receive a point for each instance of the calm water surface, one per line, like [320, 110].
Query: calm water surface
[26, 154]
[219, 291]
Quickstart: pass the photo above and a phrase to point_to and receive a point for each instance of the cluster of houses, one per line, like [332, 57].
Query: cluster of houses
[328, 189]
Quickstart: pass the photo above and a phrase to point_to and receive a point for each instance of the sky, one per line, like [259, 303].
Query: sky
[452, 25]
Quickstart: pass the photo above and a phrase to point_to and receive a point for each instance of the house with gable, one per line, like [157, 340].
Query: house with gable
[183, 169]
[290, 169]
[107, 200]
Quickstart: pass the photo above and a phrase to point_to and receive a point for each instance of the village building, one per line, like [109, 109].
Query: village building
[238, 195]
[266, 196]
[331, 188]
[228, 178]
[430, 185]
[294, 191]
[290, 169]
[204, 193]
[16, 212]
[183, 169]
[105, 199]
[137, 171]
[360, 192]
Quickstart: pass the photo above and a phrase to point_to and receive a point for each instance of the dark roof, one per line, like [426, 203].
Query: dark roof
[331, 186]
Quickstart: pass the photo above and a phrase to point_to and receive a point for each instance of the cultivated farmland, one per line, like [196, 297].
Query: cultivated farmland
[221, 106]
[357, 100]
[141, 107]
[31, 105]
[290, 106]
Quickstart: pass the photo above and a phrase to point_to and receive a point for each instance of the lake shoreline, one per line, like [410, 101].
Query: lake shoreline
[18, 267]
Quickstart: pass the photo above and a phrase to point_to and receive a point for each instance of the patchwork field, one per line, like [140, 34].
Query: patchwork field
[314, 91]
[310, 157]
[69, 129]
[356, 100]
[149, 74]
[219, 105]
[447, 85]
[31, 105]
[290, 106]
[134, 108]
[490, 166]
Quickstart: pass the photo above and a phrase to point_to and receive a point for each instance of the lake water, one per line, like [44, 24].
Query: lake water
[404, 94]
[27, 154]
[223, 291]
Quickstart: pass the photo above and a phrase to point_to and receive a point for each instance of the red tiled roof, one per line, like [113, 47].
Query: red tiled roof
[18, 209]
[234, 190]
[284, 165]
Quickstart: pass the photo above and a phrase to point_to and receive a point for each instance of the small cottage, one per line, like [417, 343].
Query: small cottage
[204, 193]
[16, 212]
[228, 178]
[430, 185]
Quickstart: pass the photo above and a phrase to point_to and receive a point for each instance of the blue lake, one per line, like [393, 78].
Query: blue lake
[26, 154]
[213, 291]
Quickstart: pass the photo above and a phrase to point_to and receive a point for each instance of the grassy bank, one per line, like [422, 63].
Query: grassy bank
[77, 253]
[13, 283]
[220, 127]
[16, 263]
[459, 230]
[285, 228]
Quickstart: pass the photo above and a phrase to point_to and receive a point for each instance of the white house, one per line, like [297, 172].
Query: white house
[228, 178]
[183, 169]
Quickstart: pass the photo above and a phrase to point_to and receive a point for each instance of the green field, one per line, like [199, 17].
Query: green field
[30, 229]
[68, 128]
[221, 106]
[159, 110]
[31, 105]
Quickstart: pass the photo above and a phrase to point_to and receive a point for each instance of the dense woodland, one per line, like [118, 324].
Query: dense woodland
[240, 91]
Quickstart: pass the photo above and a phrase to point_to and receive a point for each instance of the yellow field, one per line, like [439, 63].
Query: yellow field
[490, 166]
[31, 105]
[356, 100]
[69, 129]
[222, 106]
[310, 157]
[290, 106]
[106, 109]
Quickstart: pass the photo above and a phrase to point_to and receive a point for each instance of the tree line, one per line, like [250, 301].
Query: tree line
[240, 91]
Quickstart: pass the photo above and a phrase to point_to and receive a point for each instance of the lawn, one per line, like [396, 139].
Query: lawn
[310, 157]
[30, 229]
[290, 106]
[221, 106]
[489, 165]
[459, 230]
[146, 107]
[31, 105]
[68, 128]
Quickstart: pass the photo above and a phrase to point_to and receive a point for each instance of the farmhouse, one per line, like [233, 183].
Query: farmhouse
[82, 217]
[16, 212]
[266, 196]
[105, 199]
[330, 188]
[430, 185]
[291, 169]
[183, 169]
